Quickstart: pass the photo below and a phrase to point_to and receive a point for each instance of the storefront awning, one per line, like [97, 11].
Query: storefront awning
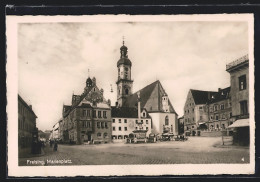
[240, 123]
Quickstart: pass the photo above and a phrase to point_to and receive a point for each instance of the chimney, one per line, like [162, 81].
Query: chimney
[102, 91]
[109, 102]
[219, 89]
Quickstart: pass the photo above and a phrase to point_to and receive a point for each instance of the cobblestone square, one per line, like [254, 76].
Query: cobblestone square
[197, 150]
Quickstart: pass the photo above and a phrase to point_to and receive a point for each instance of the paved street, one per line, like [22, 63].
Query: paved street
[197, 150]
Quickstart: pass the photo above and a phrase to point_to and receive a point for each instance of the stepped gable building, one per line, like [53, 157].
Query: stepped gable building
[196, 111]
[153, 97]
[125, 120]
[239, 78]
[220, 110]
[26, 124]
[88, 119]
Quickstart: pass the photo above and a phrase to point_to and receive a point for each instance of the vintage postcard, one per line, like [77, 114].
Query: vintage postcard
[114, 95]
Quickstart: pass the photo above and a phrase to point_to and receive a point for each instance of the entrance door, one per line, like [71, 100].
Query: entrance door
[89, 137]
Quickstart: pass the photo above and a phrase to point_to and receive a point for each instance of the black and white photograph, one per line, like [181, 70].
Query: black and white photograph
[102, 95]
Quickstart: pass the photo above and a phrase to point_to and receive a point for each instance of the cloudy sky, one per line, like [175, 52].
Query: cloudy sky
[54, 58]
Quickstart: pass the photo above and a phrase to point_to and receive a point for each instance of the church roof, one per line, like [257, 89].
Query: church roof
[201, 97]
[125, 112]
[151, 98]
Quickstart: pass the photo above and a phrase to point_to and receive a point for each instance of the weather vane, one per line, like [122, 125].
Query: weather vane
[123, 40]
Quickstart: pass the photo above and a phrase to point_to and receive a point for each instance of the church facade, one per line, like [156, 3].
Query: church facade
[153, 98]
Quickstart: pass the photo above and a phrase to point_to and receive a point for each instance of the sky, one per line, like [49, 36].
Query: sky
[54, 59]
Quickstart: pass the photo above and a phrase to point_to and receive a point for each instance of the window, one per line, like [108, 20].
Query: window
[200, 117]
[98, 124]
[230, 114]
[143, 114]
[222, 106]
[125, 120]
[242, 82]
[119, 128]
[106, 125]
[88, 113]
[114, 120]
[99, 114]
[243, 107]
[119, 121]
[88, 124]
[142, 121]
[114, 128]
[136, 128]
[223, 126]
[98, 135]
[136, 121]
[192, 109]
[211, 117]
[84, 112]
[216, 117]
[104, 114]
[166, 120]
[125, 128]
[102, 124]
[215, 107]
[146, 128]
[146, 121]
[94, 114]
[126, 91]
[200, 108]
[105, 135]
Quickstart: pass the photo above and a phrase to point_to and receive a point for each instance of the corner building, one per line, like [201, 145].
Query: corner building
[88, 119]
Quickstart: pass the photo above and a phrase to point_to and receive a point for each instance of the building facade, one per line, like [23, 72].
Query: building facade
[26, 123]
[220, 110]
[88, 119]
[196, 110]
[125, 120]
[153, 98]
[239, 78]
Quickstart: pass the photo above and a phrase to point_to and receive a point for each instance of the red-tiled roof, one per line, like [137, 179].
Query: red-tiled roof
[151, 98]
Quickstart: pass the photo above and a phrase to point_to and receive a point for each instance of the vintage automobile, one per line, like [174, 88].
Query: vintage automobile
[152, 138]
[167, 137]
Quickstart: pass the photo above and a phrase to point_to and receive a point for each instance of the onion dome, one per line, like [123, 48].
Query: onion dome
[124, 57]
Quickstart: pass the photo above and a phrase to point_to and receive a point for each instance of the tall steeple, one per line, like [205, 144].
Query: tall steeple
[124, 82]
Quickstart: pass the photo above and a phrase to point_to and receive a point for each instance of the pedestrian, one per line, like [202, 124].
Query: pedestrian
[55, 148]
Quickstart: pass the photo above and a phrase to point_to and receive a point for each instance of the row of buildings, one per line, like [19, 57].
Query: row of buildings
[218, 110]
[91, 118]
[27, 130]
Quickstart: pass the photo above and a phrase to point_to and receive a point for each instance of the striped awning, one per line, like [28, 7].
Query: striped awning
[240, 123]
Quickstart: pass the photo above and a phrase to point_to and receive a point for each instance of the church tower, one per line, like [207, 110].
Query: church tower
[124, 82]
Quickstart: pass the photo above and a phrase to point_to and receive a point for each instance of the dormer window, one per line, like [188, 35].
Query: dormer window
[143, 114]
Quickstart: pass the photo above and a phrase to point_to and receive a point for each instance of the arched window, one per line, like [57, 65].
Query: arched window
[126, 91]
[166, 120]
[98, 135]
[105, 135]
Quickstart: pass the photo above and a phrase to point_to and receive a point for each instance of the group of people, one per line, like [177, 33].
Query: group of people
[55, 145]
